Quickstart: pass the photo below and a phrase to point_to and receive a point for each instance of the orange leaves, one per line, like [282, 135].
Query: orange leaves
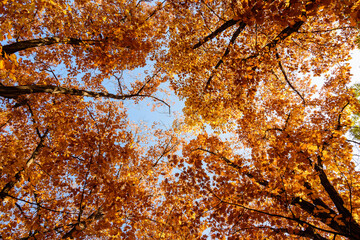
[277, 163]
[287, 139]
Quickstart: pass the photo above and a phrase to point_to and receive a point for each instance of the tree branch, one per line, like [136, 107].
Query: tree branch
[168, 148]
[287, 79]
[6, 189]
[227, 51]
[318, 209]
[80, 226]
[219, 30]
[286, 32]
[329, 30]
[38, 205]
[16, 91]
[27, 44]
[338, 127]
[237, 167]
[275, 215]
[149, 80]
[347, 218]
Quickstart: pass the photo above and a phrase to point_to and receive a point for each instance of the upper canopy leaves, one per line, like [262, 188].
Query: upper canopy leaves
[78, 168]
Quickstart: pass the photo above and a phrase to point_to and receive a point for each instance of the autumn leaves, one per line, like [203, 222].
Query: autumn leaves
[276, 163]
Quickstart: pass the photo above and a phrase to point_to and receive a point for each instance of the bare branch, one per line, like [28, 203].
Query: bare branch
[156, 10]
[119, 82]
[286, 32]
[33, 119]
[333, 194]
[149, 80]
[352, 141]
[212, 10]
[167, 149]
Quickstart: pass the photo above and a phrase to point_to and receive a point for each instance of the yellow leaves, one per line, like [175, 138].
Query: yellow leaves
[303, 17]
[312, 148]
[287, 3]
[52, 2]
[321, 7]
[2, 65]
[249, 68]
[356, 5]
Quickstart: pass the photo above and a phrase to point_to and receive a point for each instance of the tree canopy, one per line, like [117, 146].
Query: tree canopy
[262, 149]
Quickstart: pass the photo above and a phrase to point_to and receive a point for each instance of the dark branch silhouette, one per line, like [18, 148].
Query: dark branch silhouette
[82, 225]
[227, 51]
[287, 79]
[28, 44]
[17, 91]
[7, 188]
[341, 221]
[219, 30]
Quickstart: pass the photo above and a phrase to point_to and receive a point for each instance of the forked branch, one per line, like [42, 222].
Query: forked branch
[227, 51]
[212, 35]
[10, 185]
[286, 32]
[82, 225]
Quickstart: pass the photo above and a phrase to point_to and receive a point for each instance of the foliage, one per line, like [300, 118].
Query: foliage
[355, 117]
[276, 164]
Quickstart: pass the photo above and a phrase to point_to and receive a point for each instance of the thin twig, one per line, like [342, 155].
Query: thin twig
[7, 121]
[166, 151]
[211, 10]
[38, 205]
[155, 11]
[287, 79]
[328, 30]
[149, 80]
[119, 81]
